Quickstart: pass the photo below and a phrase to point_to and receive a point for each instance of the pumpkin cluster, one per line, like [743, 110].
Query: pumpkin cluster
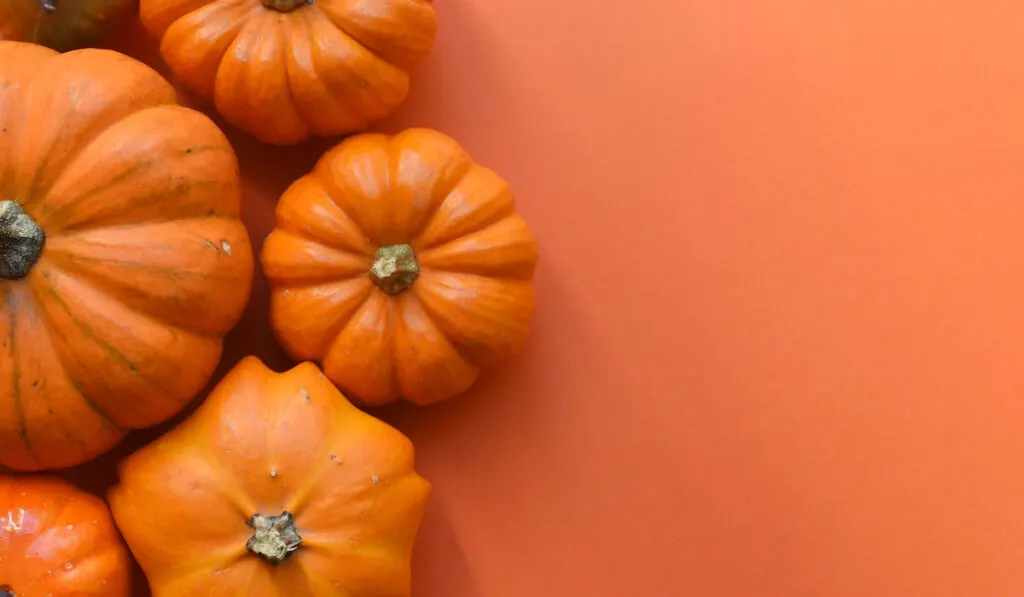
[398, 269]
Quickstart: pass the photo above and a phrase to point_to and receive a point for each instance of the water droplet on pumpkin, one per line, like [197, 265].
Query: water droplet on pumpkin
[70, 527]
[376, 479]
[68, 565]
[273, 473]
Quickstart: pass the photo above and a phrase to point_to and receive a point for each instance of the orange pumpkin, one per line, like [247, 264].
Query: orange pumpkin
[57, 540]
[61, 24]
[285, 70]
[123, 261]
[277, 485]
[402, 266]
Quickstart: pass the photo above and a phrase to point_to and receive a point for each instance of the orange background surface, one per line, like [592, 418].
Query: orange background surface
[781, 303]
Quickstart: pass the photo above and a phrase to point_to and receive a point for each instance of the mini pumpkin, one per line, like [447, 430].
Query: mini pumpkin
[61, 24]
[277, 485]
[402, 266]
[123, 261]
[57, 540]
[285, 70]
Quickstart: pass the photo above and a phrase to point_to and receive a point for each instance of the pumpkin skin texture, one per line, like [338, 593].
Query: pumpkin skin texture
[277, 485]
[62, 24]
[286, 70]
[402, 266]
[123, 261]
[58, 540]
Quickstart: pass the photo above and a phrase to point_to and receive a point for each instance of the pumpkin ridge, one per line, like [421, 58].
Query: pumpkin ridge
[340, 325]
[104, 418]
[282, 28]
[104, 415]
[134, 169]
[67, 261]
[110, 350]
[377, 50]
[439, 194]
[165, 194]
[302, 16]
[221, 4]
[299, 231]
[89, 136]
[85, 227]
[72, 438]
[496, 217]
[316, 12]
[446, 328]
[459, 350]
[344, 31]
[426, 255]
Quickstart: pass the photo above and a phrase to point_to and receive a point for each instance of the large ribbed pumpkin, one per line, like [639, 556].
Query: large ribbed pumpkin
[123, 261]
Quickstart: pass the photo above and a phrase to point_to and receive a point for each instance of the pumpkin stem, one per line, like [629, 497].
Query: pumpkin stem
[47, 6]
[275, 538]
[285, 5]
[21, 242]
[394, 268]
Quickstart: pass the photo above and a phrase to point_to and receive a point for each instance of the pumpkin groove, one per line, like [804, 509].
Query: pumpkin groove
[140, 203]
[19, 409]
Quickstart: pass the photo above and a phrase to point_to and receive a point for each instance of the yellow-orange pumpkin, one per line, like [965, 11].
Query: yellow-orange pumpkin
[285, 70]
[61, 24]
[276, 486]
[56, 540]
[402, 266]
[123, 261]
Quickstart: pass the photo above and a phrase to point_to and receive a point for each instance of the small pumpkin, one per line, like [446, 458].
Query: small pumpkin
[402, 266]
[123, 261]
[286, 70]
[277, 485]
[62, 24]
[58, 540]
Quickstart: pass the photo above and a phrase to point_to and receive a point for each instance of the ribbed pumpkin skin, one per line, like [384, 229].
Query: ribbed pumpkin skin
[58, 540]
[146, 264]
[470, 306]
[71, 25]
[325, 68]
[267, 443]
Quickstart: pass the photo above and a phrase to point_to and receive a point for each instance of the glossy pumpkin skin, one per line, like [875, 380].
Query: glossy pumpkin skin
[62, 24]
[266, 445]
[58, 540]
[424, 336]
[286, 70]
[146, 265]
